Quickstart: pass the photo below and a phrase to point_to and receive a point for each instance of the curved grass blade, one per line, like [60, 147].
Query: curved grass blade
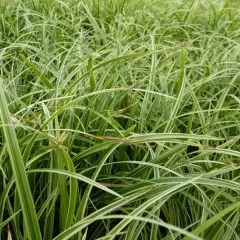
[214, 219]
[77, 176]
[68, 233]
[23, 189]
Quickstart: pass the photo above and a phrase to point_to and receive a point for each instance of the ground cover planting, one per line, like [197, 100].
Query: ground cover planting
[119, 119]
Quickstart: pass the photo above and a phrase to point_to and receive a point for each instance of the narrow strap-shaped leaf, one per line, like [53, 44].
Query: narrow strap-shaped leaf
[91, 76]
[22, 185]
[214, 219]
[36, 71]
[79, 177]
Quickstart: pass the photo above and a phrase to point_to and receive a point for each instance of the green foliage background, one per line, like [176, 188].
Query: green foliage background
[119, 119]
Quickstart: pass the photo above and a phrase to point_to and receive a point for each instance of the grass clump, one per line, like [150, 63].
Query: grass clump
[119, 120]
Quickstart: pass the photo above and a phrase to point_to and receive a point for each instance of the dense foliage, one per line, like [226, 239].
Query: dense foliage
[119, 119]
